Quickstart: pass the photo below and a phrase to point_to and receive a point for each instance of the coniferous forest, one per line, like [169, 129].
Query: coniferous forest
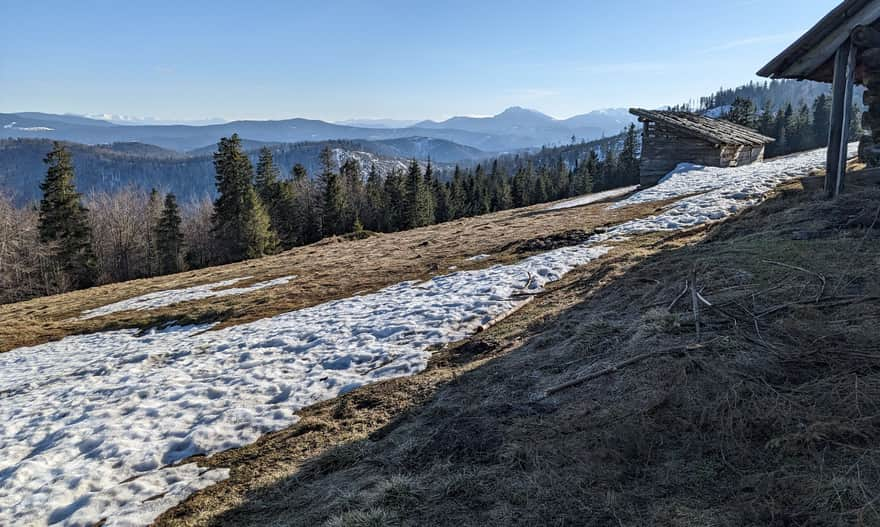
[72, 241]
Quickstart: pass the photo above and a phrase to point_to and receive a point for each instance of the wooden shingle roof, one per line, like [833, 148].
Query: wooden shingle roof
[812, 55]
[713, 130]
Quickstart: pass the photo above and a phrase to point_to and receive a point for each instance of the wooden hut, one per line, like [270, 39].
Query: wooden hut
[843, 48]
[670, 138]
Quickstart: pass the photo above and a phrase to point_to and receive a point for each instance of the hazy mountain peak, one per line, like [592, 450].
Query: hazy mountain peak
[519, 111]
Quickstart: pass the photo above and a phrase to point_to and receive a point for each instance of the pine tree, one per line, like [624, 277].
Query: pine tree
[353, 191]
[766, 122]
[628, 163]
[583, 179]
[441, 201]
[374, 196]
[333, 199]
[64, 220]
[169, 238]
[266, 180]
[743, 112]
[417, 204]
[520, 186]
[276, 197]
[821, 120]
[241, 225]
[540, 193]
[430, 202]
[457, 195]
[333, 205]
[478, 195]
[395, 197]
[608, 171]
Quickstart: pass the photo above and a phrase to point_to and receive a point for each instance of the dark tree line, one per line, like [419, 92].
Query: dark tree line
[260, 212]
[795, 128]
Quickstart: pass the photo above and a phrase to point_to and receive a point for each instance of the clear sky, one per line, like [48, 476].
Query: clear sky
[408, 59]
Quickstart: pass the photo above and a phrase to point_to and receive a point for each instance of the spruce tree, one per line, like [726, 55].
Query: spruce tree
[276, 196]
[628, 162]
[743, 112]
[520, 188]
[540, 193]
[440, 191]
[430, 202]
[333, 220]
[353, 191]
[64, 220]
[266, 180]
[169, 238]
[457, 195]
[374, 198]
[395, 198]
[417, 204]
[821, 120]
[241, 225]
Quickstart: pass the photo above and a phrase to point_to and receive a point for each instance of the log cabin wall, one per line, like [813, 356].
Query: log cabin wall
[664, 148]
[740, 155]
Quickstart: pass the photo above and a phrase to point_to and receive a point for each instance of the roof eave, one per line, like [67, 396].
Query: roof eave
[817, 46]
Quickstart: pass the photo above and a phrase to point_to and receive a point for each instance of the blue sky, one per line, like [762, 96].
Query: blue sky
[404, 59]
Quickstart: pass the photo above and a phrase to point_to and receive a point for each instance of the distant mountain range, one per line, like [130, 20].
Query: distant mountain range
[515, 128]
[190, 174]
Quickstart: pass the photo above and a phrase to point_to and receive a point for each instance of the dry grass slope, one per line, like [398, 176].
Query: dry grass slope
[773, 420]
[332, 269]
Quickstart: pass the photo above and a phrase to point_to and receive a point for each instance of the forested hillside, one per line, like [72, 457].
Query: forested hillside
[262, 208]
[776, 93]
[106, 168]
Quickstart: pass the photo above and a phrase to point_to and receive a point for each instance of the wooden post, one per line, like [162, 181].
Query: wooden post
[841, 110]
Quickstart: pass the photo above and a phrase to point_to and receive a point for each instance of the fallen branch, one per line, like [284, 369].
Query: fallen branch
[828, 302]
[858, 250]
[497, 320]
[622, 364]
[695, 302]
[796, 268]
[683, 292]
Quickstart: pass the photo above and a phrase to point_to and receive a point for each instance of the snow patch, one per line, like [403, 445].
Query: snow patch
[593, 198]
[85, 413]
[176, 296]
[82, 414]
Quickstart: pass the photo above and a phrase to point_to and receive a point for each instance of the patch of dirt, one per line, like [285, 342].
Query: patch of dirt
[773, 418]
[554, 241]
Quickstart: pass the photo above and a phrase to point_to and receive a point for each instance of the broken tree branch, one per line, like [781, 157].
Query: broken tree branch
[680, 295]
[628, 362]
[694, 301]
[797, 268]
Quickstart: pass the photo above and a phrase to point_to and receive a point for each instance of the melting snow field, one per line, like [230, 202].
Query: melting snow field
[90, 424]
[176, 296]
[593, 198]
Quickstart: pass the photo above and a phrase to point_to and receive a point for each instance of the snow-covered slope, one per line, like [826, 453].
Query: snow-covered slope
[90, 423]
[177, 296]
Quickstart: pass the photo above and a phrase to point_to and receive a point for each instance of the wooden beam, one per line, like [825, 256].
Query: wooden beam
[866, 37]
[819, 44]
[841, 109]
